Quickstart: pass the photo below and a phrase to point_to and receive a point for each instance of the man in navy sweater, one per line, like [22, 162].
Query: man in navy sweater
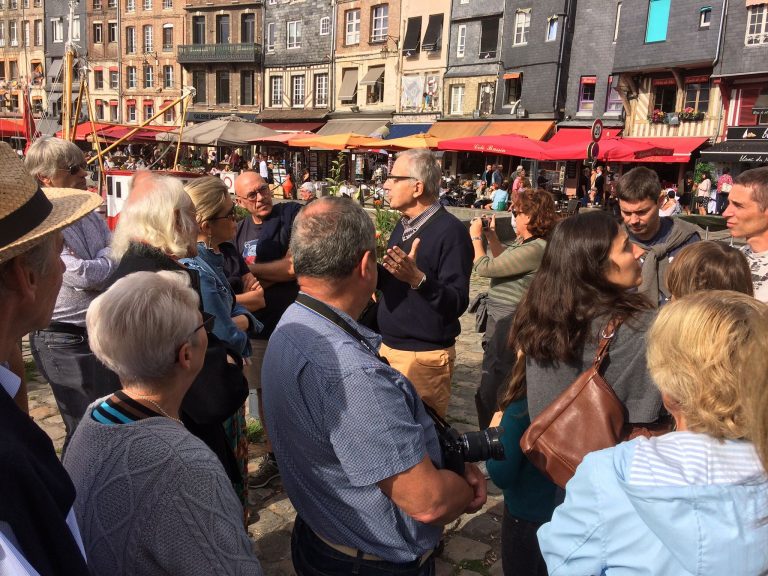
[424, 280]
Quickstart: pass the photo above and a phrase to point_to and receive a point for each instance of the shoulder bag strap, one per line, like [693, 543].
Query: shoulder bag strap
[606, 336]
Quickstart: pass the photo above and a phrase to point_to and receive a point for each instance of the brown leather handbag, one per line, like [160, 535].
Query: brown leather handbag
[585, 417]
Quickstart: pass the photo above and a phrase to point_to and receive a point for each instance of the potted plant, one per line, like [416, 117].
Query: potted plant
[657, 117]
[689, 114]
[385, 221]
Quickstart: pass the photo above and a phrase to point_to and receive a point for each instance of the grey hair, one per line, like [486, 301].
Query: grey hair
[163, 218]
[39, 258]
[137, 326]
[423, 166]
[48, 154]
[330, 237]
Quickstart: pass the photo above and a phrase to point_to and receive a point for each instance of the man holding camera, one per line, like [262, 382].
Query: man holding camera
[359, 455]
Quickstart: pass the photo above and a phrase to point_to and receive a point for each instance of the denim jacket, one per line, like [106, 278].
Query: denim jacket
[219, 300]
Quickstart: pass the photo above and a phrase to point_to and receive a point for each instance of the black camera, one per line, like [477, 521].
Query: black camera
[486, 222]
[469, 447]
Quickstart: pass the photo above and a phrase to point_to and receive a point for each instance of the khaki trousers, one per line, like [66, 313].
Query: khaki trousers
[430, 373]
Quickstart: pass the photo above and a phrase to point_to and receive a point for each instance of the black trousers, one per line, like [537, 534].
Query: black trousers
[75, 375]
[520, 553]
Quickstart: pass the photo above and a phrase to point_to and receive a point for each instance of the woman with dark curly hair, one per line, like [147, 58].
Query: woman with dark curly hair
[511, 270]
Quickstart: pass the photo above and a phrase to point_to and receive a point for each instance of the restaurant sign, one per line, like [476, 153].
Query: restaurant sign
[758, 158]
[753, 133]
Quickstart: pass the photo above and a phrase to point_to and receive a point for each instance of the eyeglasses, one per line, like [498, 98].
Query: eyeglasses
[264, 191]
[209, 320]
[398, 178]
[231, 215]
[74, 170]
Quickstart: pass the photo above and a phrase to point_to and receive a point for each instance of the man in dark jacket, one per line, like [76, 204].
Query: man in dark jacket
[424, 280]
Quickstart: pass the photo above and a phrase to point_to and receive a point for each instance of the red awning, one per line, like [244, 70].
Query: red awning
[10, 127]
[508, 145]
[98, 68]
[293, 126]
[589, 79]
[511, 75]
[148, 101]
[569, 136]
[113, 102]
[682, 148]
[113, 69]
[83, 130]
[131, 102]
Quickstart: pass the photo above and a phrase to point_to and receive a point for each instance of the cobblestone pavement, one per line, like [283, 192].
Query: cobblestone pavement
[472, 543]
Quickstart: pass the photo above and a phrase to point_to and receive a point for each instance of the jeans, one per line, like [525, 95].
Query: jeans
[520, 553]
[76, 377]
[313, 557]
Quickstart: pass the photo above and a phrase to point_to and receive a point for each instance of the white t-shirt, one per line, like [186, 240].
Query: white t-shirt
[758, 263]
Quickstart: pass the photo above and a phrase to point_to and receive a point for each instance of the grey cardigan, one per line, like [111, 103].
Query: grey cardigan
[154, 500]
[625, 370]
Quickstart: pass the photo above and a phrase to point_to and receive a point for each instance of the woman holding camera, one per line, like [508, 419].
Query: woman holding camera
[511, 270]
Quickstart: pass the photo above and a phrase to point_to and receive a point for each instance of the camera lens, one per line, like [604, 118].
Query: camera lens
[482, 445]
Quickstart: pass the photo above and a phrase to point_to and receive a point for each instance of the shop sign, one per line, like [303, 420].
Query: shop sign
[754, 133]
[758, 158]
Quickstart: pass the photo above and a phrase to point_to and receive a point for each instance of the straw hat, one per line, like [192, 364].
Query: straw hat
[28, 213]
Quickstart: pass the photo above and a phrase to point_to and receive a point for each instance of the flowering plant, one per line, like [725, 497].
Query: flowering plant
[689, 114]
[657, 117]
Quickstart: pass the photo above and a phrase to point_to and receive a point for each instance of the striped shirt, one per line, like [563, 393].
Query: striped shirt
[121, 409]
[691, 459]
[412, 225]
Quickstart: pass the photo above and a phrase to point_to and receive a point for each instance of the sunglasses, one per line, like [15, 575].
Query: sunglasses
[231, 215]
[74, 170]
[264, 191]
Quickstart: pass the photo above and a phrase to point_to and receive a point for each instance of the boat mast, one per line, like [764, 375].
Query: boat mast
[69, 59]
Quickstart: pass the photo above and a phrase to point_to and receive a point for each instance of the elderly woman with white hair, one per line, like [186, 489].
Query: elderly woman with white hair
[158, 228]
[693, 501]
[151, 498]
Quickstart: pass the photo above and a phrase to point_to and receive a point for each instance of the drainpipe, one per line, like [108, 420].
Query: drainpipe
[331, 63]
[720, 40]
[119, 67]
[566, 24]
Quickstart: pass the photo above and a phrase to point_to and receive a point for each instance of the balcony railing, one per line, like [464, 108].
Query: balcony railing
[203, 53]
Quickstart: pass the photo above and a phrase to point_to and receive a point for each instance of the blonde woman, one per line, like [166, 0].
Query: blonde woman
[215, 216]
[692, 501]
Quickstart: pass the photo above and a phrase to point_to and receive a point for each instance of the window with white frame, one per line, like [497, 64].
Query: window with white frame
[148, 42]
[147, 4]
[457, 99]
[57, 26]
[705, 16]
[149, 110]
[276, 91]
[352, 22]
[114, 80]
[39, 33]
[14, 4]
[297, 91]
[99, 110]
[26, 33]
[167, 37]
[325, 26]
[2, 33]
[167, 4]
[379, 22]
[246, 87]
[130, 40]
[513, 88]
[272, 2]
[587, 93]
[113, 111]
[270, 37]
[169, 116]
[697, 96]
[25, 4]
[131, 112]
[13, 33]
[149, 76]
[522, 27]
[111, 3]
[613, 103]
[98, 79]
[112, 32]
[321, 90]
[131, 80]
[168, 76]
[757, 25]
[76, 28]
[130, 6]
[98, 33]
[222, 87]
[461, 40]
[293, 39]
[552, 29]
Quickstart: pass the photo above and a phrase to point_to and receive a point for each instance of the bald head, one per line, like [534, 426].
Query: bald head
[253, 193]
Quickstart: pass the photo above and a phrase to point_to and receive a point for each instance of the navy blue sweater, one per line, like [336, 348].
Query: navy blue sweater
[428, 318]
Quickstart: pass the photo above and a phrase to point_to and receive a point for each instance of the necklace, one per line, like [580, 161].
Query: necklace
[160, 409]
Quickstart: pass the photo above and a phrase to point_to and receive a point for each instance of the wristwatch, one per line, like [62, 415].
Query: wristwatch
[473, 238]
[420, 284]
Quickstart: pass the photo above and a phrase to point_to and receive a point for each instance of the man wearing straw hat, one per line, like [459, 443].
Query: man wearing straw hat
[38, 533]
[61, 350]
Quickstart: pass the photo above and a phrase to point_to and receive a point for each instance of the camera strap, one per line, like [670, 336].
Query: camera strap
[330, 314]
